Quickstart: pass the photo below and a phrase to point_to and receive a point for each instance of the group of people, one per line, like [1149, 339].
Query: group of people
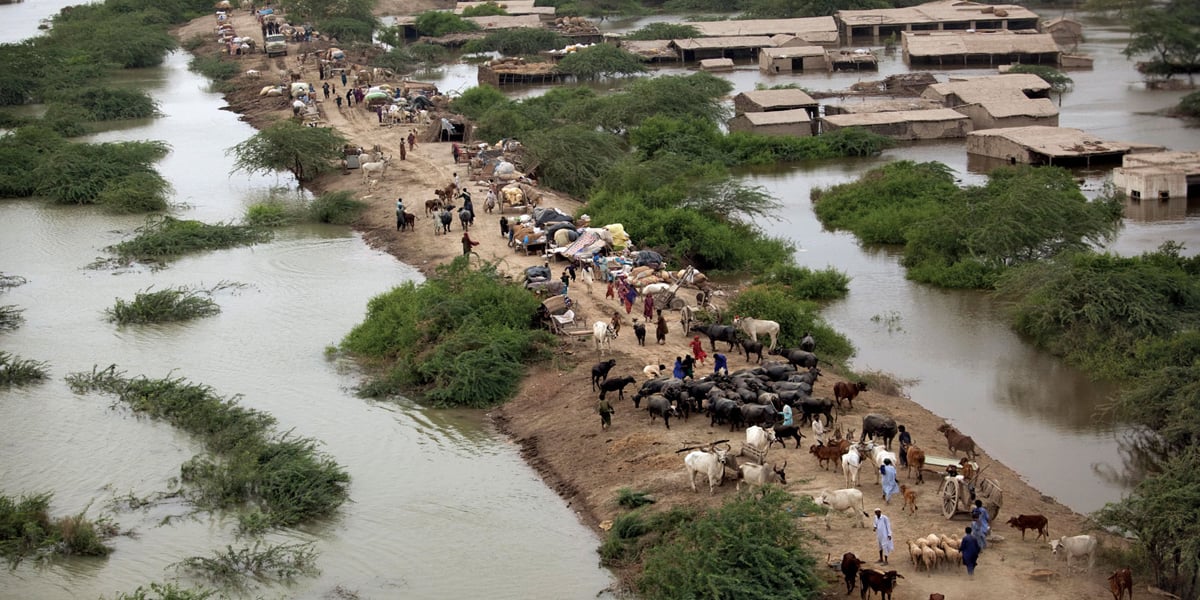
[971, 545]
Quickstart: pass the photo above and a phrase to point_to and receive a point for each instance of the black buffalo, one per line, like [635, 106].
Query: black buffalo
[798, 357]
[600, 371]
[654, 386]
[812, 407]
[752, 347]
[783, 432]
[879, 426]
[724, 333]
[759, 414]
[658, 406]
[615, 385]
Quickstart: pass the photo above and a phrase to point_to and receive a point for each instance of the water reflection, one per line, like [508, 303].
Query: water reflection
[1151, 209]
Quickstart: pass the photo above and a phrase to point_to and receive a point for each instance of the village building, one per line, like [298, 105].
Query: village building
[499, 22]
[1015, 100]
[650, 50]
[791, 59]
[515, 71]
[820, 31]
[874, 105]
[844, 59]
[972, 48]
[938, 123]
[720, 47]
[934, 16]
[716, 64]
[756, 101]
[1038, 145]
[1159, 175]
[1067, 33]
[780, 122]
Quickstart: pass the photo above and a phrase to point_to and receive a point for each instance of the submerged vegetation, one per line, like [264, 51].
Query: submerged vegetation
[277, 479]
[166, 591]
[10, 317]
[462, 338]
[163, 306]
[17, 371]
[26, 528]
[307, 152]
[262, 561]
[337, 208]
[164, 238]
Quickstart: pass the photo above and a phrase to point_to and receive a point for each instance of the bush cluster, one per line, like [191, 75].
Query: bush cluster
[163, 306]
[164, 238]
[795, 318]
[17, 371]
[27, 528]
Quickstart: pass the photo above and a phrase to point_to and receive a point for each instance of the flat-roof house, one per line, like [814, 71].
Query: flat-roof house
[1015, 100]
[968, 48]
[781, 122]
[932, 124]
[934, 16]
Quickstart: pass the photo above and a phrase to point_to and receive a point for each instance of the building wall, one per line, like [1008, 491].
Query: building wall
[1149, 186]
[783, 129]
[998, 147]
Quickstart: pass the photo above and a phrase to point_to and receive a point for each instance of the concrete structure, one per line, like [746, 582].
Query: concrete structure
[775, 100]
[720, 47]
[1038, 145]
[1015, 100]
[781, 122]
[822, 31]
[852, 106]
[790, 59]
[1067, 33]
[851, 60]
[1159, 175]
[933, 124]
[513, 7]
[716, 64]
[651, 50]
[966, 48]
[934, 16]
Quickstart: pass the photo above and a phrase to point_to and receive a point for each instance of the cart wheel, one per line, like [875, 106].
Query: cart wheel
[678, 303]
[949, 497]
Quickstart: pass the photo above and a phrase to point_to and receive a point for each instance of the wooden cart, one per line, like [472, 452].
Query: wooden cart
[959, 495]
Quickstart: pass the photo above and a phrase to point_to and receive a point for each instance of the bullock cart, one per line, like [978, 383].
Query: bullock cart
[959, 495]
[559, 316]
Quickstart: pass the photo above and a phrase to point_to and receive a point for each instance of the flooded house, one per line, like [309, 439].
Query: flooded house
[938, 123]
[757, 101]
[1159, 175]
[713, 65]
[650, 50]
[933, 16]
[1039, 145]
[720, 47]
[791, 59]
[1015, 100]
[979, 47]
[796, 122]
[820, 31]
[873, 105]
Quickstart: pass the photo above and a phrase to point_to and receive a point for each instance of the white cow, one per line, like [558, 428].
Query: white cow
[602, 333]
[707, 463]
[759, 439]
[841, 500]
[1075, 547]
[760, 475]
[375, 169]
[851, 462]
[876, 454]
[757, 327]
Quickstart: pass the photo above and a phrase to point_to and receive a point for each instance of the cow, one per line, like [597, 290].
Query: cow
[1037, 522]
[878, 581]
[812, 408]
[910, 498]
[851, 462]
[707, 463]
[849, 391]
[756, 327]
[716, 332]
[879, 426]
[658, 406]
[797, 357]
[760, 439]
[956, 441]
[600, 371]
[1075, 547]
[782, 432]
[807, 343]
[760, 475]
[824, 454]
[639, 331]
[876, 454]
[603, 334]
[408, 221]
[1119, 581]
[915, 458]
[615, 385]
[850, 566]
[752, 347]
[840, 500]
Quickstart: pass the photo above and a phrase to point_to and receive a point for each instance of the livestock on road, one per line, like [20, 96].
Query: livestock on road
[878, 581]
[707, 463]
[717, 333]
[848, 391]
[600, 371]
[760, 475]
[1037, 522]
[603, 335]
[1075, 547]
[843, 500]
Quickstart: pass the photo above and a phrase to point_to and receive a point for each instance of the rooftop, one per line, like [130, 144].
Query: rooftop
[899, 104]
[898, 116]
[783, 97]
[946, 11]
[777, 117]
[1059, 141]
[744, 41]
[512, 7]
[1001, 95]
[946, 43]
[507, 22]
[650, 48]
[766, 26]
[794, 51]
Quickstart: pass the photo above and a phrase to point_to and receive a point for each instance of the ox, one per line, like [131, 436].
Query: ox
[759, 439]
[707, 463]
[375, 170]
[760, 475]
[850, 566]
[876, 454]
[600, 371]
[1076, 547]
[1037, 522]
[956, 441]
[603, 335]
[756, 327]
[878, 581]
[851, 462]
[841, 500]
[1119, 581]
[849, 391]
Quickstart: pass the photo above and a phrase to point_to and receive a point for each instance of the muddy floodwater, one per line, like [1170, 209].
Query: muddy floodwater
[440, 505]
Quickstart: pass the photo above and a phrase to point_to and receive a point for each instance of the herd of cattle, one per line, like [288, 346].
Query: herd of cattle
[754, 398]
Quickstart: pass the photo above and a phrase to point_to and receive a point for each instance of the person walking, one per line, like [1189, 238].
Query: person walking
[689, 366]
[606, 412]
[678, 373]
[970, 551]
[905, 442]
[403, 152]
[980, 523]
[720, 363]
[883, 535]
[566, 281]
[648, 308]
[787, 414]
[349, 98]
[698, 350]
[818, 429]
[325, 89]
[412, 140]
[338, 100]
[344, 84]
[468, 243]
[888, 480]
[660, 332]
[399, 213]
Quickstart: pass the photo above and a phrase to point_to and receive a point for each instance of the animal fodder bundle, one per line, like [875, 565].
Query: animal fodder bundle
[172, 304]
[261, 561]
[17, 371]
[281, 479]
[163, 238]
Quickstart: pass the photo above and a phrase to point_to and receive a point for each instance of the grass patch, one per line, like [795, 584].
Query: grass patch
[336, 208]
[248, 465]
[213, 67]
[164, 238]
[164, 306]
[627, 498]
[16, 371]
[803, 283]
[26, 528]
[135, 193]
[262, 562]
[462, 338]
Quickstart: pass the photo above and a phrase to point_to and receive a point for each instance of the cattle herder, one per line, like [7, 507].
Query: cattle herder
[606, 411]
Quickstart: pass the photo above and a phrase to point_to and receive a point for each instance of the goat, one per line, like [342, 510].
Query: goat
[600, 371]
[711, 463]
[910, 499]
[956, 441]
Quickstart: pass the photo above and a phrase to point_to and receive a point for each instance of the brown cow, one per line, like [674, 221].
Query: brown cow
[1024, 522]
[850, 567]
[916, 459]
[956, 441]
[1118, 582]
[878, 581]
[849, 391]
[825, 454]
[910, 498]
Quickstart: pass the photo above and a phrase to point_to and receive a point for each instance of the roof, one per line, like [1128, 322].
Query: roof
[507, 22]
[899, 116]
[1188, 162]
[712, 63]
[649, 48]
[747, 41]
[1000, 95]
[946, 11]
[777, 117]
[794, 51]
[943, 43]
[782, 97]
[1026, 82]
[1057, 141]
[766, 26]
[899, 104]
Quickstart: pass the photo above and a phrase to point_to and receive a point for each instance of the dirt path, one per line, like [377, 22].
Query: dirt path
[553, 418]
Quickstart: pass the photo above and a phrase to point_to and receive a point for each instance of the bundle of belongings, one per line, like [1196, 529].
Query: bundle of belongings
[538, 279]
[526, 232]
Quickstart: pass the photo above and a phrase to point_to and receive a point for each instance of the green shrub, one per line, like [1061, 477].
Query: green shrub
[462, 337]
[884, 204]
[476, 101]
[795, 318]
[195, 42]
[261, 561]
[16, 371]
[106, 104]
[135, 193]
[347, 29]
[164, 238]
[80, 173]
[165, 591]
[163, 306]
[487, 9]
[270, 213]
[1189, 105]
[517, 42]
[572, 158]
[337, 208]
[803, 283]
[213, 67]
[26, 528]
[664, 31]
[435, 23]
[599, 61]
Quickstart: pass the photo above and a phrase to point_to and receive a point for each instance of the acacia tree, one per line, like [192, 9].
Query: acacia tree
[1171, 34]
[601, 60]
[306, 152]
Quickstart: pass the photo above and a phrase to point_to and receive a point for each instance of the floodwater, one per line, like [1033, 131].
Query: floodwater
[1020, 404]
[440, 504]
